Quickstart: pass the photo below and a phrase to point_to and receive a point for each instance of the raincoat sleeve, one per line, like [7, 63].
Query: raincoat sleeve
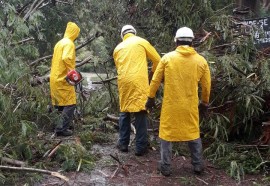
[68, 56]
[152, 55]
[157, 78]
[205, 82]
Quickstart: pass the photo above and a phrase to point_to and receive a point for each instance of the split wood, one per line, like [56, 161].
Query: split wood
[120, 166]
[50, 152]
[56, 174]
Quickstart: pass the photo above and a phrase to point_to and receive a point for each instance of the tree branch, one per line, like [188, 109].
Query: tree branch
[92, 38]
[22, 41]
[36, 4]
[44, 79]
[56, 174]
[86, 60]
[5, 89]
[12, 161]
[104, 81]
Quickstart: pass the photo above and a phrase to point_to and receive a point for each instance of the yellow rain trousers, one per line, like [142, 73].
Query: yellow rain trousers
[63, 94]
[130, 58]
[182, 71]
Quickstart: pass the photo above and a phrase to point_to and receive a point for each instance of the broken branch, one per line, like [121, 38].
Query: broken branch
[52, 150]
[12, 161]
[77, 48]
[202, 180]
[56, 174]
[86, 60]
[104, 81]
[120, 165]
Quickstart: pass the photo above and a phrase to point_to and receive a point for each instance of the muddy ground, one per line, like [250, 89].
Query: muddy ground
[141, 171]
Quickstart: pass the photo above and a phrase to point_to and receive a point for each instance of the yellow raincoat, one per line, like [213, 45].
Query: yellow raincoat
[63, 94]
[182, 70]
[130, 58]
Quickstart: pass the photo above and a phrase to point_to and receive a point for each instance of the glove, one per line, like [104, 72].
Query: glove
[150, 103]
[203, 109]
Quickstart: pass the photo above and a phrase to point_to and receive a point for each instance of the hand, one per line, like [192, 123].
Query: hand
[203, 109]
[150, 103]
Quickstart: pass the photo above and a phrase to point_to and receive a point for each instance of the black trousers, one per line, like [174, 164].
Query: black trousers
[67, 114]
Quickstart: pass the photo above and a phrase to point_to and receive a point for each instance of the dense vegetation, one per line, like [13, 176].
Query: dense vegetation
[30, 28]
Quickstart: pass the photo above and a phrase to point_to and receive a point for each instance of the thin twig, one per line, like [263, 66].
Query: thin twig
[23, 41]
[105, 80]
[120, 165]
[202, 180]
[106, 175]
[115, 172]
[79, 166]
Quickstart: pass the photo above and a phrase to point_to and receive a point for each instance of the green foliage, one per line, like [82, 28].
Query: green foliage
[105, 98]
[217, 127]
[69, 156]
[235, 158]
[181, 149]
[238, 74]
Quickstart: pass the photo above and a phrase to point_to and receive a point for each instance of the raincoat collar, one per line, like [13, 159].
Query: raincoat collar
[72, 31]
[185, 50]
[127, 36]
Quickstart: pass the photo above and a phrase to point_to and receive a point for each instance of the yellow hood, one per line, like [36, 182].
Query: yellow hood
[72, 31]
[186, 50]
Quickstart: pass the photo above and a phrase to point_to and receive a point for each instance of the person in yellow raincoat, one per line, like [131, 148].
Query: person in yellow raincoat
[130, 57]
[63, 96]
[182, 70]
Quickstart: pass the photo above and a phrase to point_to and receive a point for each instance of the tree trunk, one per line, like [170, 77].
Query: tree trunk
[252, 5]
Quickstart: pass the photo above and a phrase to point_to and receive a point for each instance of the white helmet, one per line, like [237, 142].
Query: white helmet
[184, 34]
[127, 29]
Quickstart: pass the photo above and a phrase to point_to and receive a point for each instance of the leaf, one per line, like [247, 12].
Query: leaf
[24, 129]
[247, 101]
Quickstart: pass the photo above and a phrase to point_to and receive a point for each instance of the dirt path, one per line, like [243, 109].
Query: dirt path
[141, 171]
